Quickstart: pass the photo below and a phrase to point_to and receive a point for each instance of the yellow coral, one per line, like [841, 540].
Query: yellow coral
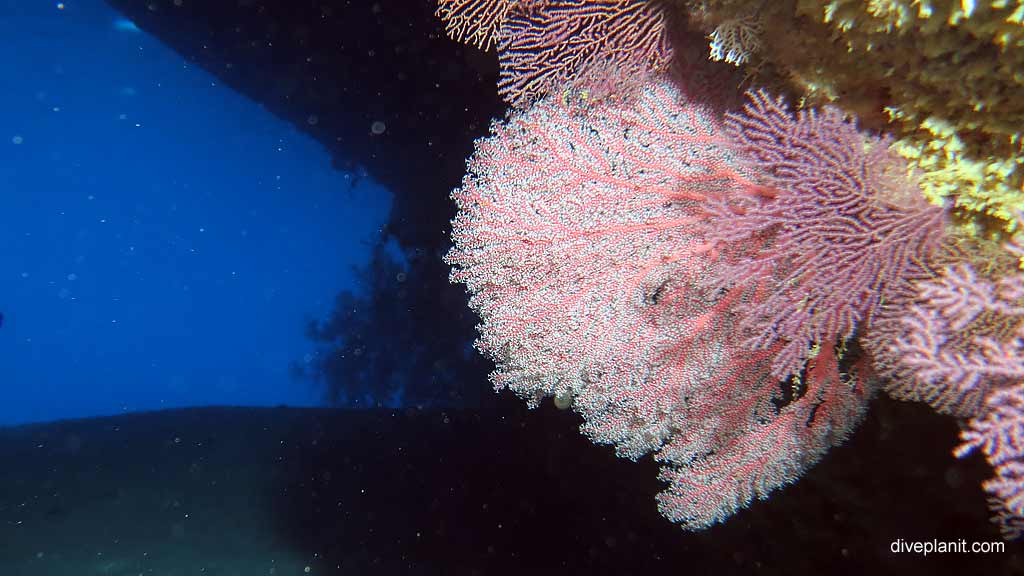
[978, 187]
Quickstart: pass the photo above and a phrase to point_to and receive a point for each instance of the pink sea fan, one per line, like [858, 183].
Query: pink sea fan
[583, 239]
[478, 22]
[571, 228]
[959, 340]
[839, 226]
[999, 435]
[559, 41]
[957, 343]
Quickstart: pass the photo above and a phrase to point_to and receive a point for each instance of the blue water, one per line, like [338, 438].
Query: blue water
[164, 240]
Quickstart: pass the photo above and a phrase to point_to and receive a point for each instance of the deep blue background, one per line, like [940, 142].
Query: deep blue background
[164, 240]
